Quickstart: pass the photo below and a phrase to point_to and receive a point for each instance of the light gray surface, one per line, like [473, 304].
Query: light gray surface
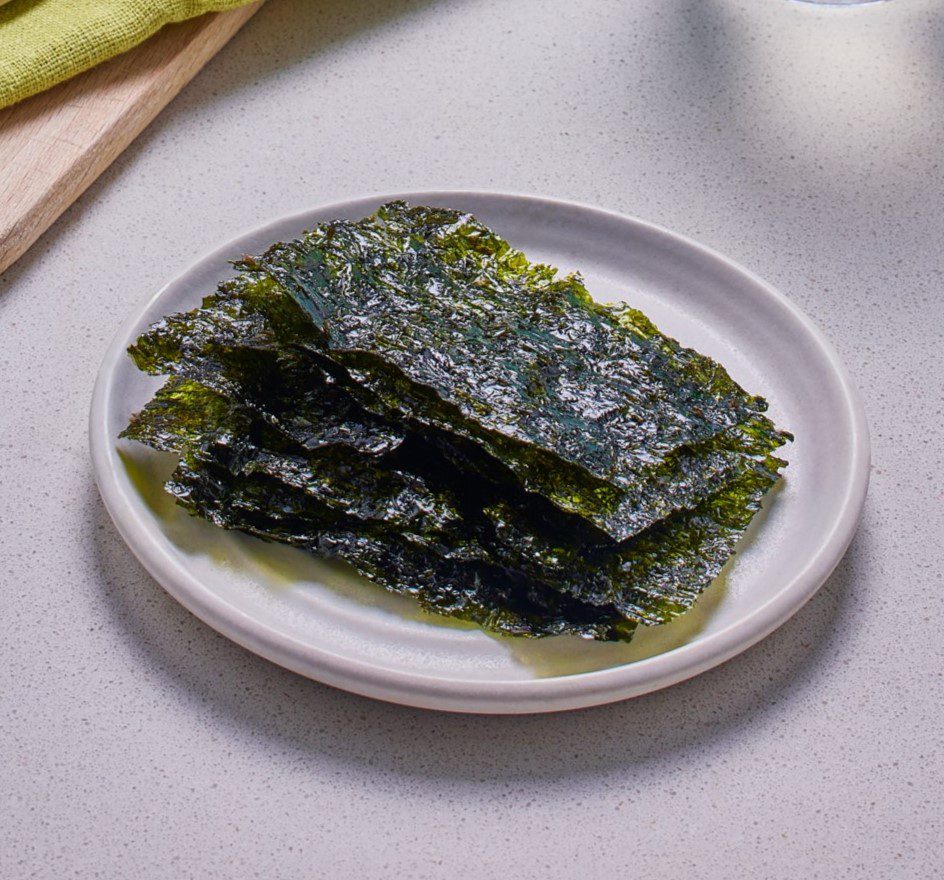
[802, 142]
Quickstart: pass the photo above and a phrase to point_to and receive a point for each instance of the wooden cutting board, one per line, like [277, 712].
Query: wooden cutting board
[53, 145]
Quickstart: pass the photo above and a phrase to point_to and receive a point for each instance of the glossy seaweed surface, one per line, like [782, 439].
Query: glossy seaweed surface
[470, 589]
[409, 394]
[249, 329]
[413, 493]
[445, 323]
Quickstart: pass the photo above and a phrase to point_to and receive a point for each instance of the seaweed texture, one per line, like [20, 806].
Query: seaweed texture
[412, 494]
[445, 323]
[249, 329]
[411, 395]
[498, 600]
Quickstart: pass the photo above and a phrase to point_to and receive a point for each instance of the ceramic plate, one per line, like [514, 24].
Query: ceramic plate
[316, 619]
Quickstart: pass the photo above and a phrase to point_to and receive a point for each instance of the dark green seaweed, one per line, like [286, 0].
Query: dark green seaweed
[411, 395]
[238, 338]
[498, 600]
[236, 344]
[411, 494]
[443, 322]
[185, 414]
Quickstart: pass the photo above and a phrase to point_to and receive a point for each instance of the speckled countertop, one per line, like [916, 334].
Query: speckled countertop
[805, 143]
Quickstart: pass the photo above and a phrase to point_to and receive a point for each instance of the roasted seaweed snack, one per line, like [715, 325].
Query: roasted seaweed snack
[408, 492]
[250, 324]
[211, 482]
[444, 323]
[409, 394]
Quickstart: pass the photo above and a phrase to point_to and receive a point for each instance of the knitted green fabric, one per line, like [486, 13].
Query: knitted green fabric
[43, 42]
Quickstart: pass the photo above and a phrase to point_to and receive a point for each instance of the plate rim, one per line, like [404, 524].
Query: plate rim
[552, 693]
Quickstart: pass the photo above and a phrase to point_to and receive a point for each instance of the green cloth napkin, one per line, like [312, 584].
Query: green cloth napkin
[43, 42]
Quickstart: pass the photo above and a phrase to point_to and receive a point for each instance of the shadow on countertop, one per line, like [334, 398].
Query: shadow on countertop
[223, 681]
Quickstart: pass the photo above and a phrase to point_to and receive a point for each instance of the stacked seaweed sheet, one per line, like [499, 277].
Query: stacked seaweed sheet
[411, 395]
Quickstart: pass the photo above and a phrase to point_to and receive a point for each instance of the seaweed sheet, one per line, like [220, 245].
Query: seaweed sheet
[498, 600]
[186, 414]
[238, 343]
[443, 322]
[648, 579]
[241, 341]
[288, 430]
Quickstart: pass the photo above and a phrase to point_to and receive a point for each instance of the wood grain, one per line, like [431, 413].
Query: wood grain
[53, 145]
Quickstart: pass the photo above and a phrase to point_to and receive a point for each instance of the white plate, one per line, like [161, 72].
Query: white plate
[313, 618]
